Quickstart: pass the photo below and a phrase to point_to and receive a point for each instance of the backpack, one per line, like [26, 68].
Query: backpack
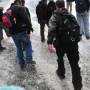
[69, 31]
[8, 22]
[81, 6]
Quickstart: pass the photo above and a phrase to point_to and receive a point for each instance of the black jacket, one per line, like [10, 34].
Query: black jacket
[23, 22]
[41, 11]
[59, 30]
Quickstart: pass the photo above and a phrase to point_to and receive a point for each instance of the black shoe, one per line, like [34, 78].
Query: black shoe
[87, 37]
[42, 40]
[2, 48]
[22, 65]
[77, 87]
[60, 75]
[32, 62]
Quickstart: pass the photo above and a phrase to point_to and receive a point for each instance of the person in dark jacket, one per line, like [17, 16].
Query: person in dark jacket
[1, 27]
[50, 9]
[21, 33]
[82, 14]
[71, 50]
[41, 12]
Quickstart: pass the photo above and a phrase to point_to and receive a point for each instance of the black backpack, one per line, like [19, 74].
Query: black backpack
[69, 31]
[81, 6]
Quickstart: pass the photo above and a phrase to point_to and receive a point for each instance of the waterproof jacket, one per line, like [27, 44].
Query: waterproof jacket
[23, 22]
[41, 12]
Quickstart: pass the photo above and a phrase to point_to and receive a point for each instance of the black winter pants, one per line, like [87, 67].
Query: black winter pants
[42, 26]
[73, 57]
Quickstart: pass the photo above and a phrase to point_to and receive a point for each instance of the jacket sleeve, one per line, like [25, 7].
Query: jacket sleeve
[28, 20]
[52, 29]
[29, 17]
[38, 12]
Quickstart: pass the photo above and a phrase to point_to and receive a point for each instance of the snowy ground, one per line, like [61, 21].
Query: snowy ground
[42, 76]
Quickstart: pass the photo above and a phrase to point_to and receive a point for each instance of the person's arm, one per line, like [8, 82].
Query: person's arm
[28, 13]
[26, 19]
[51, 32]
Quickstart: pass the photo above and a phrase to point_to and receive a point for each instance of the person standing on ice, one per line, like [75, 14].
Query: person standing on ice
[41, 12]
[21, 33]
[64, 27]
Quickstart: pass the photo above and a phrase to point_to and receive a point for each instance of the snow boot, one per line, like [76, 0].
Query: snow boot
[61, 76]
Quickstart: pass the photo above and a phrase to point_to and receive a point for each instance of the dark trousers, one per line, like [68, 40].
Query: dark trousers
[42, 26]
[73, 57]
[1, 34]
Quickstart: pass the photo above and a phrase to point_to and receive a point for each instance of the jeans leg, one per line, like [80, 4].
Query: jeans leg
[80, 22]
[19, 49]
[29, 52]
[86, 24]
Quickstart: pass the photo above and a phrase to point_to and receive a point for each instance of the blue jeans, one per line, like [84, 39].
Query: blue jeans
[19, 39]
[83, 21]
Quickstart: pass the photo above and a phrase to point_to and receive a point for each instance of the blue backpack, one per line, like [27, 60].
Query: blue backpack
[81, 6]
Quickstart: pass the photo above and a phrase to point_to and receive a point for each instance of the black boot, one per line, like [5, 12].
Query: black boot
[61, 76]
[2, 48]
[42, 40]
[61, 70]
[22, 65]
[32, 61]
[77, 84]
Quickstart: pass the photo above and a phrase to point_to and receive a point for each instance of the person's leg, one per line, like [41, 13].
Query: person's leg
[79, 20]
[70, 7]
[73, 57]
[67, 6]
[1, 37]
[0, 44]
[28, 48]
[17, 42]
[42, 26]
[86, 25]
[61, 69]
